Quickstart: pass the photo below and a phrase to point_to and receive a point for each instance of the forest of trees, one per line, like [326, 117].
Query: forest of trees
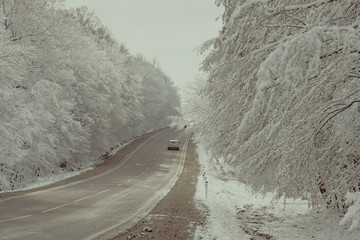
[69, 91]
[280, 103]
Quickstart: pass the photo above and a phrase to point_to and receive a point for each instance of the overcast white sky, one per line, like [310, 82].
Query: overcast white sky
[168, 30]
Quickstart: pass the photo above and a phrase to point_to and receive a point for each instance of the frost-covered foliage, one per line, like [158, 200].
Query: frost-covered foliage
[353, 212]
[284, 91]
[68, 92]
[194, 107]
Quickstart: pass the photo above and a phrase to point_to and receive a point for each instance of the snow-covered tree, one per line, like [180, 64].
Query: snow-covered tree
[68, 91]
[159, 97]
[284, 92]
[194, 107]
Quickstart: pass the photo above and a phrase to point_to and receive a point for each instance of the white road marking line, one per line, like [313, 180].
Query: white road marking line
[55, 208]
[83, 198]
[172, 181]
[103, 192]
[15, 218]
[163, 216]
[78, 200]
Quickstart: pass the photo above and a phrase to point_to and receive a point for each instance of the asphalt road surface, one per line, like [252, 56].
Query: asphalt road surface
[96, 207]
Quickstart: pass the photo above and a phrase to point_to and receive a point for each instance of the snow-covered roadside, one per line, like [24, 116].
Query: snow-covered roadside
[45, 181]
[236, 213]
[52, 179]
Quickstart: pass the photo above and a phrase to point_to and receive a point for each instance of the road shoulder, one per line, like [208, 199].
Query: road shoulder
[175, 216]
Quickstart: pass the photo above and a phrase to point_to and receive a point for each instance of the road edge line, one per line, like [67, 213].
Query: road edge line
[104, 235]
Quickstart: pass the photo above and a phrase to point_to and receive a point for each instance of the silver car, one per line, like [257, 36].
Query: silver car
[174, 145]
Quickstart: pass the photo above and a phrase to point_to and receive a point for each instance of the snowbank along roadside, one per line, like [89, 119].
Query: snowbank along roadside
[236, 213]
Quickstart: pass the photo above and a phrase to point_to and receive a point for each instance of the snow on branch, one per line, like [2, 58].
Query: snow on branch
[285, 25]
[300, 7]
[353, 214]
[335, 112]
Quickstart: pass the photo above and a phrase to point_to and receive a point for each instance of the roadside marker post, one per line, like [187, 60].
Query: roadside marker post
[206, 185]
[206, 190]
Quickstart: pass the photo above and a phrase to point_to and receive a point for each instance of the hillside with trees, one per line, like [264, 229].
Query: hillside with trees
[280, 103]
[69, 91]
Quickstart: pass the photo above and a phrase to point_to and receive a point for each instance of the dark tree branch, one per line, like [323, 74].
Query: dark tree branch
[335, 113]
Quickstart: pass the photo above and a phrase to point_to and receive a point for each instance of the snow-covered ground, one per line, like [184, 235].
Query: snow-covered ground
[48, 180]
[234, 212]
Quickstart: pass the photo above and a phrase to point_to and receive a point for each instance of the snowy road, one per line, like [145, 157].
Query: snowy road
[94, 208]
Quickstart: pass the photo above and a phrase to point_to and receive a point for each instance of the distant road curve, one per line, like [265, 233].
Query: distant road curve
[103, 205]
